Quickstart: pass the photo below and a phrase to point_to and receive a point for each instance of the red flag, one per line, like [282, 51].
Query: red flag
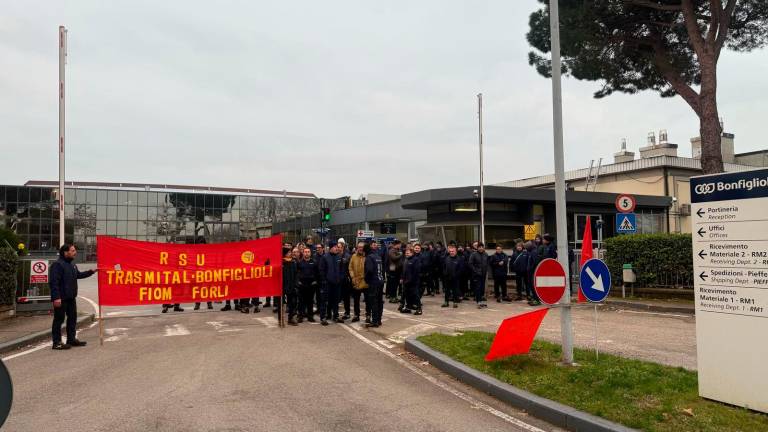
[586, 253]
[515, 335]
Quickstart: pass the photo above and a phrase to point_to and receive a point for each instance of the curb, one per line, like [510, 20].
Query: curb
[553, 412]
[30, 338]
[652, 308]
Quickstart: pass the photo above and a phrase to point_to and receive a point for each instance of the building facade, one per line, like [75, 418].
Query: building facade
[156, 213]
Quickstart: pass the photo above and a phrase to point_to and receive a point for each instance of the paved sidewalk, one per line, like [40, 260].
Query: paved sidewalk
[25, 329]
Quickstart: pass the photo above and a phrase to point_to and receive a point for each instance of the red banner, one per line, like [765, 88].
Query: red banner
[137, 273]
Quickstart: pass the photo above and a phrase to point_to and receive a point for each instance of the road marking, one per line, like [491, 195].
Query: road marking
[459, 394]
[176, 330]
[402, 335]
[269, 322]
[115, 334]
[656, 313]
[386, 343]
[93, 305]
[38, 347]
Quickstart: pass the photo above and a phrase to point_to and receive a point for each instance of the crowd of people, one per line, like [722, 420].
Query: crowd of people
[333, 282]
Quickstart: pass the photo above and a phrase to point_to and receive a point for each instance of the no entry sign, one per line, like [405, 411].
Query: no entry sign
[549, 281]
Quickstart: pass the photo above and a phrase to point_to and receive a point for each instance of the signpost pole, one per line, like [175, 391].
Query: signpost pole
[597, 356]
[566, 325]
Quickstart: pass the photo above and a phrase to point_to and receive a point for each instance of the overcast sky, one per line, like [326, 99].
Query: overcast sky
[335, 97]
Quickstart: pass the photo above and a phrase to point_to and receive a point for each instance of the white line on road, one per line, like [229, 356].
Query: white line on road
[268, 322]
[386, 343]
[656, 313]
[37, 347]
[402, 335]
[176, 330]
[459, 394]
[93, 305]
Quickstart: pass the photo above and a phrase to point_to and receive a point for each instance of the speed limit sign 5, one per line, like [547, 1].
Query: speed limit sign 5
[625, 203]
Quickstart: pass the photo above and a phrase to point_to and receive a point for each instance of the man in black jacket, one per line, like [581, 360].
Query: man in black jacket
[374, 277]
[453, 267]
[64, 276]
[499, 263]
[478, 264]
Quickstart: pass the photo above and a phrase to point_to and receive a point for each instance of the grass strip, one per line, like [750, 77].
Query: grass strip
[635, 393]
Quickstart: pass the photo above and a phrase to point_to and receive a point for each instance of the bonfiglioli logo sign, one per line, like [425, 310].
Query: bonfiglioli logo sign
[743, 184]
[705, 188]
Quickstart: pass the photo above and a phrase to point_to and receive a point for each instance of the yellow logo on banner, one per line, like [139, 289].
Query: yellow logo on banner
[247, 257]
[530, 232]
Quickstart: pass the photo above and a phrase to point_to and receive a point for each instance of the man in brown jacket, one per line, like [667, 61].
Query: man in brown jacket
[359, 287]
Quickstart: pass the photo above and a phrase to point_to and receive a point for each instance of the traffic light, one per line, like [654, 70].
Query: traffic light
[325, 214]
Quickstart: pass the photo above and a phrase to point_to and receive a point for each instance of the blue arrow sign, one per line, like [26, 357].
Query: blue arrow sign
[595, 280]
[626, 223]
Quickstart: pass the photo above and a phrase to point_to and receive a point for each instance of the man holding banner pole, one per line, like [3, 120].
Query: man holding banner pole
[64, 276]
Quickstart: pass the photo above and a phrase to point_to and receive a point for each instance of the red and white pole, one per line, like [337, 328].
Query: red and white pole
[62, 63]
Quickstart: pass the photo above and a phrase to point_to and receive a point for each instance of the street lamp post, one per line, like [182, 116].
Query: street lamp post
[62, 62]
[566, 325]
[482, 187]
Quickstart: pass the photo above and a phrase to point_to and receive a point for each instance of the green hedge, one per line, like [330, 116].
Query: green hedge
[658, 259]
[8, 265]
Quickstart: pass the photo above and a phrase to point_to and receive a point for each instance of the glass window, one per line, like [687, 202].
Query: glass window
[142, 214]
[133, 197]
[91, 196]
[122, 213]
[111, 212]
[81, 196]
[34, 195]
[132, 210]
[142, 198]
[11, 194]
[111, 228]
[151, 213]
[46, 195]
[45, 226]
[23, 194]
[464, 207]
[122, 197]
[69, 211]
[101, 227]
[112, 197]
[141, 228]
[162, 199]
[101, 212]
[208, 201]
[122, 227]
[131, 228]
[101, 197]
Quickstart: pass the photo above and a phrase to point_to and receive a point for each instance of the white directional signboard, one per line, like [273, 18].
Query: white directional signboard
[730, 266]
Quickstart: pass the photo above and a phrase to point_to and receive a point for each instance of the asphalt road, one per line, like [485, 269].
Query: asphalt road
[212, 370]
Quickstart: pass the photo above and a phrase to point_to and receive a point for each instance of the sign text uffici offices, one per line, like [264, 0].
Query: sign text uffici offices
[730, 263]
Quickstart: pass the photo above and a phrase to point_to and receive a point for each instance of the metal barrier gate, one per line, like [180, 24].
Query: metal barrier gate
[33, 290]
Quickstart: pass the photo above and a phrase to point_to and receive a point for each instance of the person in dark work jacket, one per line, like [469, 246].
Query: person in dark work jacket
[307, 276]
[453, 267]
[478, 264]
[290, 292]
[411, 298]
[499, 263]
[330, 287]
[64, 276]
[374, 277]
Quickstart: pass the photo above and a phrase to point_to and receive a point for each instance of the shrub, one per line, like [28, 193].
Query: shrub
[8, 266]
[658, 259]
[7, 235]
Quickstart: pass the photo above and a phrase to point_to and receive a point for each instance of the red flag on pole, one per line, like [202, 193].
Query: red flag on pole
[586, 253]
[515, 335]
